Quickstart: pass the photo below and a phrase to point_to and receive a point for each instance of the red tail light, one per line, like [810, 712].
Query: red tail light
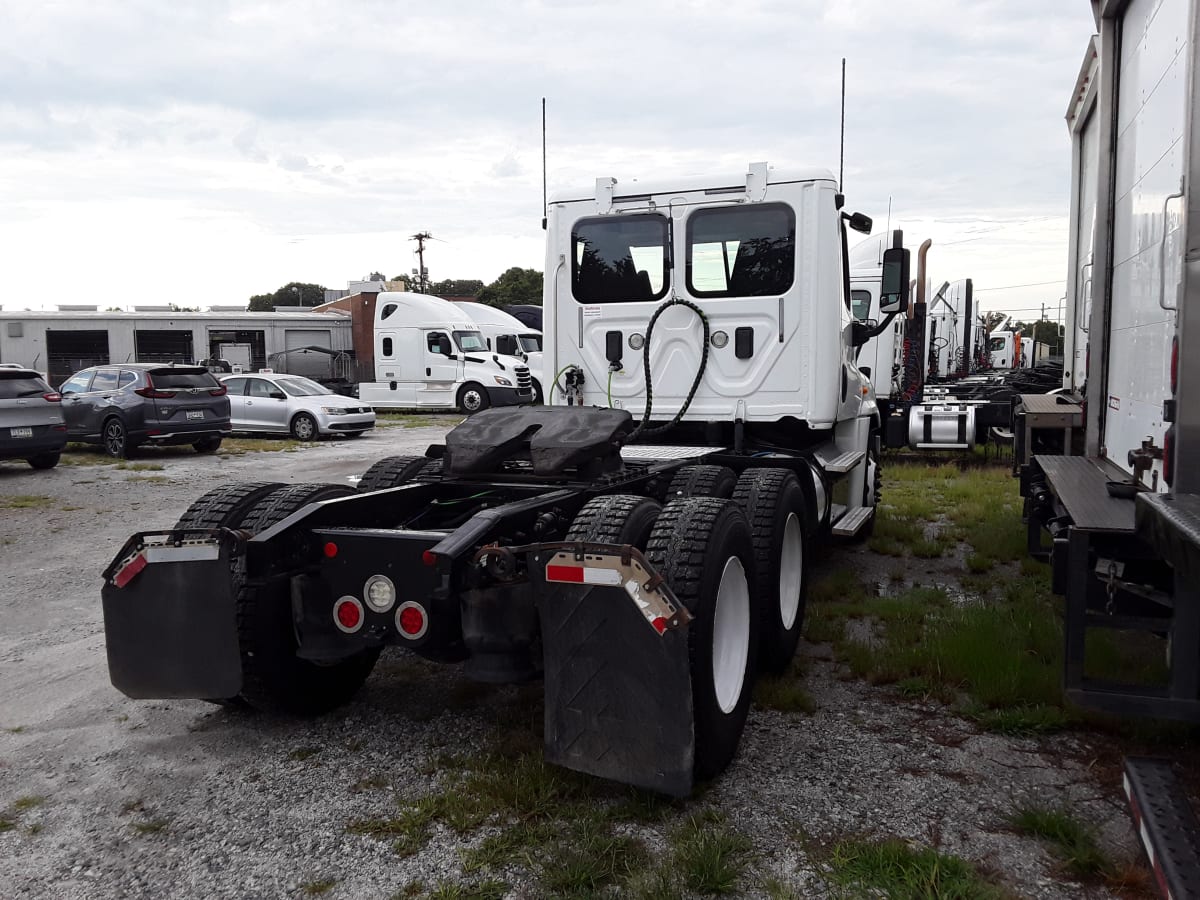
[154, 393]
[53, 397]
[1174, 362]
[219, 392]
[411, 620]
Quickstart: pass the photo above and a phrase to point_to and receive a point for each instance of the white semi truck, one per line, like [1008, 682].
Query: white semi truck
[429, 354]
[644, 557]
[508, 335]
[1122, 506]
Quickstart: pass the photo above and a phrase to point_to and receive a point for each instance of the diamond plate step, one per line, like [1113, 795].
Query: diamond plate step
[1166, 824]
[841, 463]
[852, 523]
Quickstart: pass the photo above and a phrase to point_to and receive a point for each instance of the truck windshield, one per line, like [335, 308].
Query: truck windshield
[531, 343]
[470, 342]
[740, 252]
[619, 260]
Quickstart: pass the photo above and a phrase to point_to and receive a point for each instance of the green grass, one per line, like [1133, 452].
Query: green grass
[390, 419]
[240, 446]
[318, 887]
[483, 890]
[25, 501]
[709, 855]
[153, 826]
[22, 804]
[1070, 840]
[784, 694]
[893, 869]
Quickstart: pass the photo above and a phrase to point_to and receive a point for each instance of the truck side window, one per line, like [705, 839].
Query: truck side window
[860, 305]
[741, 252]
[619, 260]
[387, 346]
[388, 310]
[433, 340]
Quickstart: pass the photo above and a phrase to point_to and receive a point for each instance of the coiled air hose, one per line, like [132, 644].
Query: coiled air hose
[642, 430]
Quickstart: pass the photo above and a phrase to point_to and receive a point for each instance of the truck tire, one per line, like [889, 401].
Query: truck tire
[775, 506]
[44, 460]
[704, 550]
[616, 519]
[702, 481]
[472, 399]
[225, 507]
[390, 472]
[274, 679]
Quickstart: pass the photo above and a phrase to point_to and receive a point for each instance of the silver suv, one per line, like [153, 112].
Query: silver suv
[31, 419]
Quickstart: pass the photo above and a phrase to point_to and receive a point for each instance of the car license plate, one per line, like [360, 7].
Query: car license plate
[195, 414]
[20, 432]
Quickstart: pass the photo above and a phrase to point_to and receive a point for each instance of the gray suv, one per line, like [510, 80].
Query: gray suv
[31, 419]
[122, 406]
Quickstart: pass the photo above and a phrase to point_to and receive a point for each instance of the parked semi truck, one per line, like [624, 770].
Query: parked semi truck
[1122, 507]
[645, 557]
[509, 336]
[429, 354]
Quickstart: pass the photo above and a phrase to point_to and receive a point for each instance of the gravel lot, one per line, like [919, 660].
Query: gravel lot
[185, 799]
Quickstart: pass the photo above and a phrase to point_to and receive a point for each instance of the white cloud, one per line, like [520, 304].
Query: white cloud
[244, 145]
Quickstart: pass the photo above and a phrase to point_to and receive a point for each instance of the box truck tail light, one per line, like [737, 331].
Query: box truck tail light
[1168, 460]
[411, 620]
[1174, 363]
[348, 615]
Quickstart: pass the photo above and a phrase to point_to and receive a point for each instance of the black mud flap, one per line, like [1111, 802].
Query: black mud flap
[169, 615]
[617, 680]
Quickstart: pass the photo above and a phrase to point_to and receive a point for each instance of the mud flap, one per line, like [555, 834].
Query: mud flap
[170, 619]
[618, 685]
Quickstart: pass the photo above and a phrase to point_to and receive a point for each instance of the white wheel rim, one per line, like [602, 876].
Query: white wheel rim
[791, 571]
[731, 635]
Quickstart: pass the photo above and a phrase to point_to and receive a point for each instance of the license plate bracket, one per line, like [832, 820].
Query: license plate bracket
[21, 432]
[195, 414]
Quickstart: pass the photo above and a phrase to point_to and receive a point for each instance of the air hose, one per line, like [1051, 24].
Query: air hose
[642, 430]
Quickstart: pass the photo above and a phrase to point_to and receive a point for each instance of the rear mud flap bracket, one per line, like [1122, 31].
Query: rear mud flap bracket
[170, 620]
[618, 684]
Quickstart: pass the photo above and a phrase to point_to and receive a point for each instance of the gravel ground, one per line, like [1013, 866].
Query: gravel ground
[185, 799]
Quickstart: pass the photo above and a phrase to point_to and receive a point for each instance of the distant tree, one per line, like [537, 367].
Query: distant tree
[376, 276]
[517, 285]
[175, 307]
[1044, 331]
[456, 287]
[994, 320]
[289, 295]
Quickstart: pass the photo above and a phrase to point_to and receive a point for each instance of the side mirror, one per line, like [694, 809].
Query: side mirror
[860, 223]
[278, 395]
[443, 345]
[893, 295]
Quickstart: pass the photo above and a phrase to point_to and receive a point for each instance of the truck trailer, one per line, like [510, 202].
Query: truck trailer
[1122, 507]
[645, 557]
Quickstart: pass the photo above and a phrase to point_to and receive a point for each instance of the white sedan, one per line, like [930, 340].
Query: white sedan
[293, 404]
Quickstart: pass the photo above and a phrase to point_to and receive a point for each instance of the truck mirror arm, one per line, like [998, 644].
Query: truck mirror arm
[861, 332]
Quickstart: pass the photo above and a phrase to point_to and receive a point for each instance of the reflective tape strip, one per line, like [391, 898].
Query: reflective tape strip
[583, 575]
[129, 570]
[186, 553]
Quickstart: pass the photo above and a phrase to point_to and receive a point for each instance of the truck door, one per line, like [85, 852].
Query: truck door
[442, 361]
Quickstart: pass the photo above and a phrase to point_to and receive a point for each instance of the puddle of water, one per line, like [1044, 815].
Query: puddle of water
[955, 593]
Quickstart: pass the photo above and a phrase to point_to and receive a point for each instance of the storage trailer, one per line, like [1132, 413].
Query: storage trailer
[1123, 515]
[644, 556]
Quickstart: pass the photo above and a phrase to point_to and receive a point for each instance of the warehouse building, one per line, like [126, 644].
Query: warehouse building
[73, 337]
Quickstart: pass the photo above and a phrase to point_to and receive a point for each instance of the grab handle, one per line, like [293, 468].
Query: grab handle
[1162, 251]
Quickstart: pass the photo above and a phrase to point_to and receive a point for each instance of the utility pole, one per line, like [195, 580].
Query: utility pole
[422, 280]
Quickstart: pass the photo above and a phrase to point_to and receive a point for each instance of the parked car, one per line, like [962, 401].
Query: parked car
[294, 404]
[123, 406]
[31, 420]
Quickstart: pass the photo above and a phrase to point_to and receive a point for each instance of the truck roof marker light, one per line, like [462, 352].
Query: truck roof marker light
[348, 615]
[330, 549]
[380, 593]
[411, 620]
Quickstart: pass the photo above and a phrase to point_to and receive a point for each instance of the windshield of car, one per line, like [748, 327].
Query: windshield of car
[302, 387]
[21, 384]
[531, 343]
[470, 342]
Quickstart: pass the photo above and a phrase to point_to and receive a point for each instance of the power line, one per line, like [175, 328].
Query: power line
[1011, 287]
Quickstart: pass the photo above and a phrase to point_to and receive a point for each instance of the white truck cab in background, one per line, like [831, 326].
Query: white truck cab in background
[431, 355]
[509, 336]
[1004, 349]
[882, 356]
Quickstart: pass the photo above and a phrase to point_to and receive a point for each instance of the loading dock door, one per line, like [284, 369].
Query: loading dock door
[307, 363]
[163, 346]
[69, 351]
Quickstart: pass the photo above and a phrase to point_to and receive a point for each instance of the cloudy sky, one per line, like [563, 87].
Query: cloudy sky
[202, 151]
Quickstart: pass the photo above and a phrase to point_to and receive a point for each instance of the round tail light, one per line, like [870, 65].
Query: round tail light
[348, 615]
[411, 620]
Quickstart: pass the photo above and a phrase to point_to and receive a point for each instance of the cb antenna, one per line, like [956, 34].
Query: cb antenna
[544, 206]
[842, 147]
